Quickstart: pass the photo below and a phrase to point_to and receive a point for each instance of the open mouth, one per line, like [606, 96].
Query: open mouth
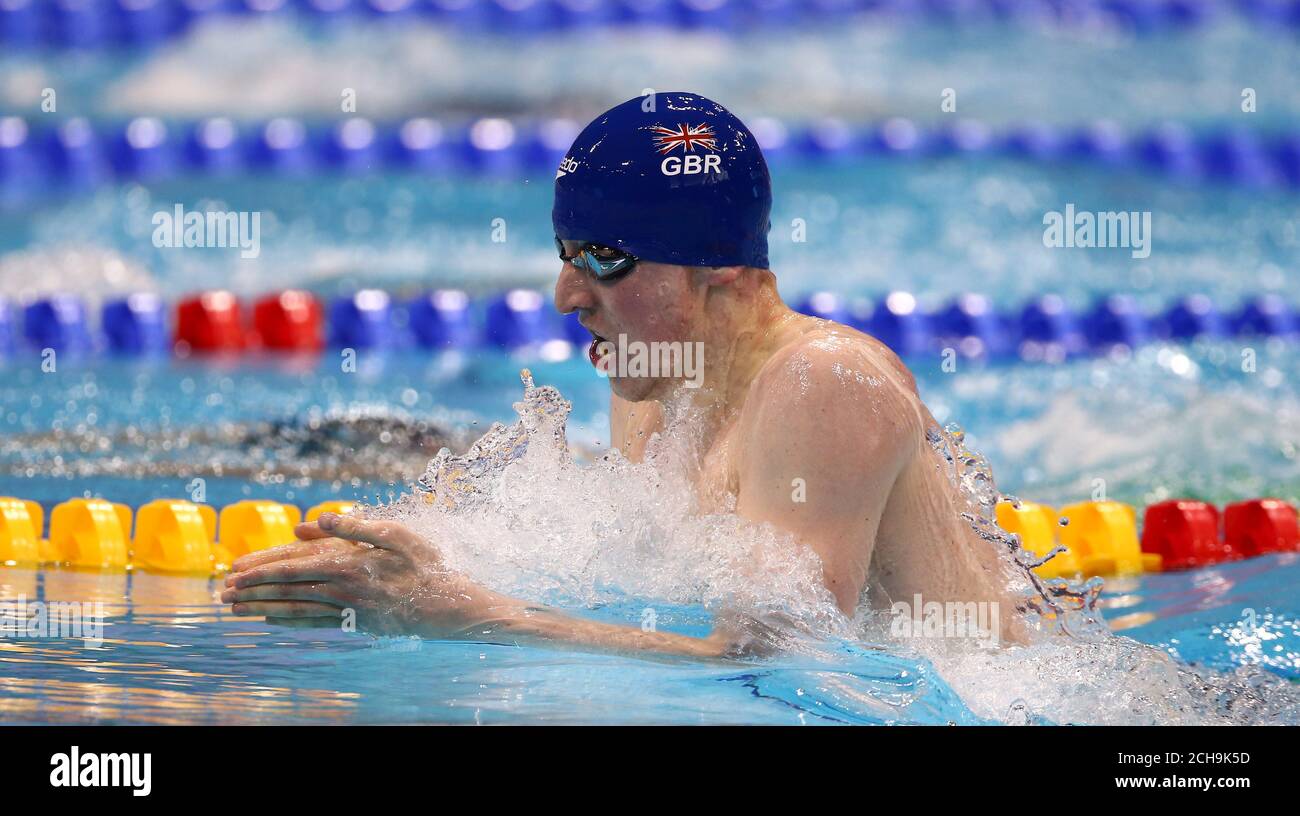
[594, 352]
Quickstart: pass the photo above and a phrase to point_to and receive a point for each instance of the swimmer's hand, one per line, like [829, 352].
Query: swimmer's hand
[378, 574]
[386, 579]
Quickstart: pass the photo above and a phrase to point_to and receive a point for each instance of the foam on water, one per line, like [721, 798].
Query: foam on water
[89, 270]
[1170, 421]
[520, 515]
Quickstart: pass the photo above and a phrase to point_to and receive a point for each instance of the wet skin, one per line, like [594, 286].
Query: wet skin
[786, 400]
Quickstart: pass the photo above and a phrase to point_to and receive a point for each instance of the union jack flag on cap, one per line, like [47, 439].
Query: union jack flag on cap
[686, 137]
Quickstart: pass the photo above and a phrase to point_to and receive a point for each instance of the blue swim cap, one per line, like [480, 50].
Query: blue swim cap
[673, 178]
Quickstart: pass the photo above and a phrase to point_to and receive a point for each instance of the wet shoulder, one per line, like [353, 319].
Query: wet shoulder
[838, 395]
[831, 376]
[825, 357]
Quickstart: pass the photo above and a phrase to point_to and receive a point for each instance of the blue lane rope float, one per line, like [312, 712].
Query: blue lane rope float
[1045, 328]
[37, 160]
[100, 24]
[136, 324]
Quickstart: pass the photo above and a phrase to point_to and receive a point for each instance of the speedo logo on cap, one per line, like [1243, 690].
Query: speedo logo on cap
[687, 137]
[569, 165]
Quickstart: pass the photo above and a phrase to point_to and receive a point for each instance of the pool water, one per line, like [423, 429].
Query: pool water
[173, 654]
[1168, 420]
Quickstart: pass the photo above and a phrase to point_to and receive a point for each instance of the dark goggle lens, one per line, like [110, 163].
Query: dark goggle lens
[603, 263]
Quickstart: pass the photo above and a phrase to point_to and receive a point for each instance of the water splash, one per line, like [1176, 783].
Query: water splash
[1056, 605]
[1077, 670]
[461, 482]
[518, 513]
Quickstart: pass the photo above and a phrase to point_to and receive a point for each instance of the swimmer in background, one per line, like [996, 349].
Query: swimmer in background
[661, 218]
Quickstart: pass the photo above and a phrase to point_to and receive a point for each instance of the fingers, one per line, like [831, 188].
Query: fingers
[388, 535]
[318, 591]
[327, 566]
[287, 609]
[309, 530]
[298, 549]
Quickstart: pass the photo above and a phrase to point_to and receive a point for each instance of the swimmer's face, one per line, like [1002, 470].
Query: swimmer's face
[654, 303]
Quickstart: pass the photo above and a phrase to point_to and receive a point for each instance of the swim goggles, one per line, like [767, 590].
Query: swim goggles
[603, 263]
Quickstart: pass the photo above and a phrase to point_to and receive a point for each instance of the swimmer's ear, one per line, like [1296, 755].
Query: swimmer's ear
[719, 275]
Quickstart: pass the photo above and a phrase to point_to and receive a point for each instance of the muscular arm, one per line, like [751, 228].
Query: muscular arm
[823, 440]
[824, 435]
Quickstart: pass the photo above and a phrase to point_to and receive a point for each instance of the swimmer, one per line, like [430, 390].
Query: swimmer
[661, 216]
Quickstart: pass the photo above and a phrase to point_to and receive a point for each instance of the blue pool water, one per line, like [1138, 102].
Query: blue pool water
[1170, 420]
[173, 654]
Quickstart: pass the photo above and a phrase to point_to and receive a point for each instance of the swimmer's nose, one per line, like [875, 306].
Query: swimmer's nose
[573, 290]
